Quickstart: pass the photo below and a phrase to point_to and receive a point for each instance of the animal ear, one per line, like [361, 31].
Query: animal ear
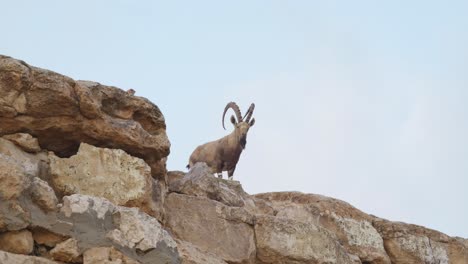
[233, 120]
[252, 122]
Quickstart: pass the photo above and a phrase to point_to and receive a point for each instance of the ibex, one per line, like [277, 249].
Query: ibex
[223, 154]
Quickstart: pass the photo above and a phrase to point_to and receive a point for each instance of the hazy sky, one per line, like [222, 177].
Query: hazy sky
[364, 101]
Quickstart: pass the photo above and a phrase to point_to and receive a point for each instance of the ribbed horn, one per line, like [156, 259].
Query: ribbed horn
[236, 110]
[249, 113]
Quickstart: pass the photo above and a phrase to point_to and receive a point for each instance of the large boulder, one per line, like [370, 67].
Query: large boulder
[283, 240]
[352, 228]
[108, 173]
[406, 243]
[96, 222]
[212, 227]
[61, 113]
[199, 181]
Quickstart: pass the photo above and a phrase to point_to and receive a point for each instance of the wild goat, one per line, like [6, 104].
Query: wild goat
[223, 154]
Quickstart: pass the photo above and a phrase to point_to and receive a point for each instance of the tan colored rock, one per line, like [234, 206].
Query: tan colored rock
[282, 240]
[199, 181]
[17, 168]
[18, 242]
[24, 141]
[108, 173]
[137, 230]
[61, 113]
[43, 195]
[192, 255]
[67, 251]
[17, 171]
[353, 228]
[106, 255]
[96, 221]
[10, 258]
[406, 243]
[45, 237]
[212, 227]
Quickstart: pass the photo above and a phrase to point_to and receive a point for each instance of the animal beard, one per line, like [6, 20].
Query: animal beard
[243, 142]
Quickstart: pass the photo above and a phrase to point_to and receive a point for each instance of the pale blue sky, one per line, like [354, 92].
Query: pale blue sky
[364, 101]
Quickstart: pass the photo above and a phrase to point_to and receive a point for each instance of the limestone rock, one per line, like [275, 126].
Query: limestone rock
[107, 173]
[192, 255]
[66, 251]
[24, 141]
[45, 237]
[353, 228]
[106, 255]
[200, 182]
[406, 243]
[96, 222]
[283, 240]
[19, 242]
[61, 113]
[212, 227]
[43, 195]
[10, 258]
[17, 172]
[17, 168]
[137, 230]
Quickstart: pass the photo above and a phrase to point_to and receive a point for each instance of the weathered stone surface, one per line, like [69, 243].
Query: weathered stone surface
[199, 181]
[18, 242]
[107, 173]
[406, 243]
[137, 230]
[45, 237]
[212, 227]
[67, 251]
[10, 258]
[18, 171]
[353, 228]
[43, 195]
[283, 240]
[98, 223]
[24, 141]
[192, 255]
[106, 255]
[61, 113]
[17, 168]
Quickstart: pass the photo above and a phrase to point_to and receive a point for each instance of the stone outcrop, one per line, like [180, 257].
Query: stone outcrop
[19, 242]
[83, 180]
[62, 113]
[353, 228]
[108, 173]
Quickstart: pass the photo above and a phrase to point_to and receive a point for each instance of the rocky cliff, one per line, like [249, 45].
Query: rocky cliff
[83, 180]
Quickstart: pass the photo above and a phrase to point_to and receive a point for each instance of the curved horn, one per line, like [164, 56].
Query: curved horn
[249, 113]
[236, 110]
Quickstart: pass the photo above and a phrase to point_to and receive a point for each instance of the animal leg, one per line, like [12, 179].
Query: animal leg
[231, 173]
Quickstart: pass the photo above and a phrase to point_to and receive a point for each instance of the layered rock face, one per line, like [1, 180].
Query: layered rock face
[83, 180]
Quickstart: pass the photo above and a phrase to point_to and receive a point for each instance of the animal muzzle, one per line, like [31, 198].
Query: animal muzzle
[243, 142]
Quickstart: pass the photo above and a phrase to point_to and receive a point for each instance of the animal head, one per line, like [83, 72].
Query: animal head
[241, 124]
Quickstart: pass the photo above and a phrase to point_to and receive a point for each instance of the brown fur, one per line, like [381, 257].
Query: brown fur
[223, 154]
